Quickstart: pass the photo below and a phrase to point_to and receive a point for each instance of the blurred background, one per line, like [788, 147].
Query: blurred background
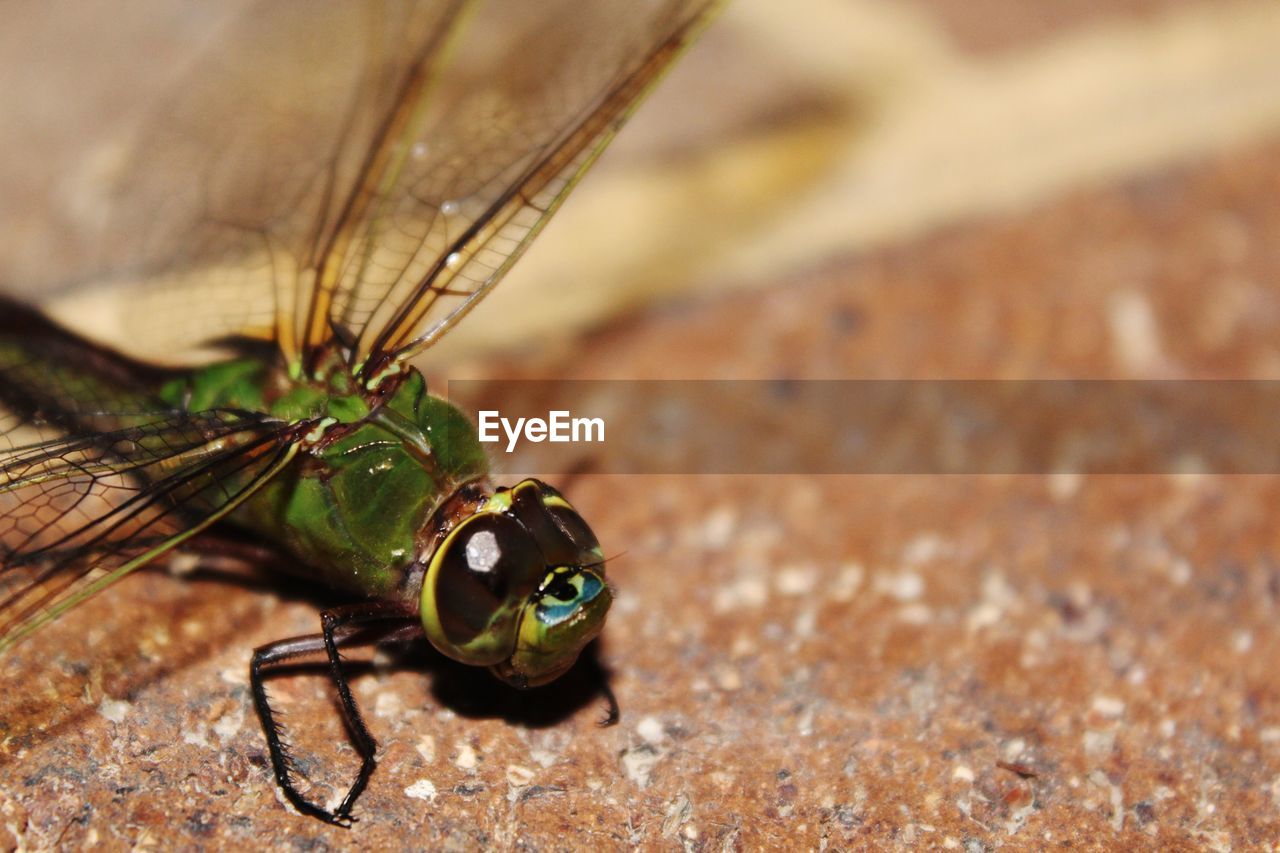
[787, 141]
[911, 189]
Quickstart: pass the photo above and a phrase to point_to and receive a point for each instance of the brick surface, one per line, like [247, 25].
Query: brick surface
[834, 660]
[829, 662]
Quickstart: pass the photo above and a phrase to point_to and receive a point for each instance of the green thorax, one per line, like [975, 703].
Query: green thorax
[354, 506]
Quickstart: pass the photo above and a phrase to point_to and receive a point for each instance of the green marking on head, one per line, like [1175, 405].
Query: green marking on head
[566, 614]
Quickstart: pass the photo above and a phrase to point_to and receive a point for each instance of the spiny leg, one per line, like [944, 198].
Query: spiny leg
[354, 616]
[597, 672]
[332, 621]
[281, 760]
[615, 711]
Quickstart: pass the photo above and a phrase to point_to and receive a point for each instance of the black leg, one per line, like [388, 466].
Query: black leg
[281, 760]
[615, 711]
[337, 633]
[331, 621]
[590, 661]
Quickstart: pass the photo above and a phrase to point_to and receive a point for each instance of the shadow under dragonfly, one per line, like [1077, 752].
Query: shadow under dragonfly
[30, 717]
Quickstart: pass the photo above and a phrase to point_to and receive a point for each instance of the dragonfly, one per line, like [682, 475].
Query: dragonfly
[311, 201]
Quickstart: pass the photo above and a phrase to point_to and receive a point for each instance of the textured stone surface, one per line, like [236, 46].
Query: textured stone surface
[836, 660]
[817, 662]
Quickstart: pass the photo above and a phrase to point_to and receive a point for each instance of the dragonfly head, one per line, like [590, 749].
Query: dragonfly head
[518, 586]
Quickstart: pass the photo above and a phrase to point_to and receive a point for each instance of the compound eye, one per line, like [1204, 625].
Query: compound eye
[575, 529]
[563, 535]
[485, 574]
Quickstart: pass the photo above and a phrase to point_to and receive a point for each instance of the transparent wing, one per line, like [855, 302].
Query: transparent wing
[96, 480]
[519, 113]
[194, 208]
[294, 168]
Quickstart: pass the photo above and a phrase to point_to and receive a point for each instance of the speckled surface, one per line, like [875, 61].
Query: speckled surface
[836, 660]
[819, 662]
